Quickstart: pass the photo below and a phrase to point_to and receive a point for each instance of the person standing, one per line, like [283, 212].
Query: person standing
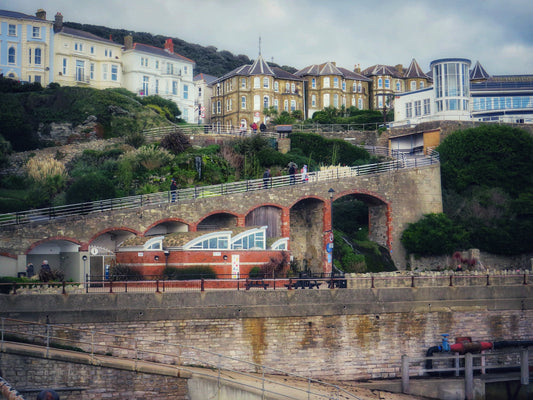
[266, 178]
[30, 271]
[292, 172]
[173, 189]
[254, 128]
[262, 127]
[305, 177]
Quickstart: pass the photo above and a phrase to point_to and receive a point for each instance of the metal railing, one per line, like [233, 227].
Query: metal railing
[185, 358]
[160, 284]
[58, 212]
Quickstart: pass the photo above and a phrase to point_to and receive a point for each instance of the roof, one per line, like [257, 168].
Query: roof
[205, 77]
[478, 72]
[414, 71]
[86, 35]
[18, 15]
[158, 51]
[381, 69]
[330, 68]
[259, 67]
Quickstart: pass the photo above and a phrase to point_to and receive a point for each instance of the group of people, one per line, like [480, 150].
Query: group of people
[292, 173]
[30, 269]
[262, 127]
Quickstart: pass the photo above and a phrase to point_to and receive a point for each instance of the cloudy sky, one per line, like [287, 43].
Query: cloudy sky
[497, 33]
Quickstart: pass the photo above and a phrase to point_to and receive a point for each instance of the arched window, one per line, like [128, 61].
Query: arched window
[154, 243]
[257, 102]
[380, 83]
[257, 82]
[326, 81]
[313, 83]
[243, 102]
[293, 105]
[360, 103]
[354, 89]
[276, 104]
[336, 100]
[398, 86]
[313, 100]
[360, 87]
[326, 100]
[280, 244]
[210, 241]
[265, 82]
[252, 239]
[276, 86]
[293, 87]
[266, 102]
[11, 55]
[413, 85]
[335, 82]
[421, 85]
[286, 105]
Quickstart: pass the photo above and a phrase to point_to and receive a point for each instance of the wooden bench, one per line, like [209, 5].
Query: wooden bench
[255, 283]
[304, 283]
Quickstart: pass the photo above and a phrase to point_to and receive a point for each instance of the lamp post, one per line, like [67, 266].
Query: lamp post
[84, 258]
[329, 246]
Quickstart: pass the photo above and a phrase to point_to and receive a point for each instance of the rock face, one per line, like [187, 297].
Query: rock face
[66, 133]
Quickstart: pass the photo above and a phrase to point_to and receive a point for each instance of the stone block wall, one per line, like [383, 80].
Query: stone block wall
[72, 381]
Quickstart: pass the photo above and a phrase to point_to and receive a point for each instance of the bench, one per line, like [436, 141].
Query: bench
[255, 283]
[304, 283]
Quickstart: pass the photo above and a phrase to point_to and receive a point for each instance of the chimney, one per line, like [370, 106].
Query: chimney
[128, 42]
[169, 46]
[41, 14]
[58, 23]
[357, 68]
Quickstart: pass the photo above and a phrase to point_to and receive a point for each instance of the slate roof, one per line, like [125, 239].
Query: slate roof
[330, 68]
[18, 15]
[259, 67]
[381, 69]
[478, 72]
[414, 71]
[205, 77]
[158, 51]
[86, 35]
[354, 75]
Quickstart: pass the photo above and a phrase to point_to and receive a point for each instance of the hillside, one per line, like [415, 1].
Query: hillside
[209, 60]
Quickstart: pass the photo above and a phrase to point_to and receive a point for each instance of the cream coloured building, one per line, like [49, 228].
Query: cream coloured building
[84, 59]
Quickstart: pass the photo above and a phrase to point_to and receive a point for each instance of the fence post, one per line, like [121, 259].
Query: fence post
[405, 374]
[202, 288]
[157, 286]
[488, 280]
[412, 281]
[64, 291]
[525, 279]
[524, 367]
[110, 286]
[469, 376]
[14, 287]
[451, 280]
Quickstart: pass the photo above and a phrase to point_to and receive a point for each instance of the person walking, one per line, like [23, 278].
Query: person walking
[292, 172]
[30, 271]
[305, 177]
[266, 178]
[173, 189]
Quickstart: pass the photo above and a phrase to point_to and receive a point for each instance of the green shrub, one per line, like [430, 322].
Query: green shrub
[255, 272]
[121, 272]
[199, 272]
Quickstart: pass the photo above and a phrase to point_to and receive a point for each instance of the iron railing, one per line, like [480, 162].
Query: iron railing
[188, 194]
[186, 358]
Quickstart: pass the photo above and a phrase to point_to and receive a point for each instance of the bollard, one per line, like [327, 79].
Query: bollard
[405, 374]
[469, 376]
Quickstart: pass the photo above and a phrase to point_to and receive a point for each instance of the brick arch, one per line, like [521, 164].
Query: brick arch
[299, 199]
[42, 241]
[115, 228]
[239, 217]
[171, 219]
[363, 192]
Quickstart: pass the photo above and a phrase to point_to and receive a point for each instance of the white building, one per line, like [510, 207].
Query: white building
[459, 94]
[149, 70]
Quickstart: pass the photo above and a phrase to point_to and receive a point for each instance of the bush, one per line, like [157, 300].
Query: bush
[255, 272]
[121, 272]
[183, 274]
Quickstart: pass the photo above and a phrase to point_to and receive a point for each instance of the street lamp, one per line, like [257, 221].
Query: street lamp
[84, 258]
[331, 237]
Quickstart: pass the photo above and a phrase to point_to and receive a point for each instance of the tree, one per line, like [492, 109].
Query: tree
[434, 234]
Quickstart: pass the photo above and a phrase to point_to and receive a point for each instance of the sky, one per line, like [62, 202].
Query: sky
[298, 33]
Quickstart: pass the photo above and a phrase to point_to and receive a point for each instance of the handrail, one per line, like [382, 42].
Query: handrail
[188, 194]
[172, 354]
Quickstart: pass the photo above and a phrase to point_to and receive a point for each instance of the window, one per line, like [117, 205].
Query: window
[37, 78]
[154, 243]
[418, 110]
[421, 85]
[78, 47]
[64, 69]
[344, 85]
[146, 81]
[257, 82]
[387, 83]
[114, 73]
[380, 83]
[326, 82]
[427, 109]
[265, 82]
[170, 68]
[157, 86]
[210, 241]
[252, 239]
[313, 83]
[219, 107]
[257, 102]
[266, 102]
[335, 82]
[12, 30]
[293, 87]
[336, 100]
[280, 244]
[174, 87]
[243, 102]
[313, 101]
[243, 83]
[91, 70]
[11, 55]
[276, 86]
[380, 101]
[36, 32]
[29, 56]
[360, 103]
[293, 105]
[287, 87]
[185, 70]
[354, 87]
[228, 105]
[186, 92]
[104, 72]
[398, 86]
[92, 49]
[408, 110]
[156, 64]
[286, 105]
[80, 70]
[360, 87]
[276, 104]
[413, 85]
[326, 100]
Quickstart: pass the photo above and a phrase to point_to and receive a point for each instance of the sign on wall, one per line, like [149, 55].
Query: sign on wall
[235, 266]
